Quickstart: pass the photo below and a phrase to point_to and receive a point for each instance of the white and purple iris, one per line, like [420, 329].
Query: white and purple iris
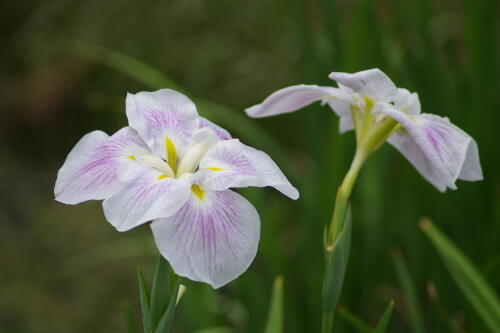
[175, 168]
[439, 150]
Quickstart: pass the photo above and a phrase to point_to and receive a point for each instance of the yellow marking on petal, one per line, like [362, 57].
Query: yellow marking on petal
[369, 103]
[171, 153]
[160, 177]
[214, 169]
[197, 191]
[132, 157]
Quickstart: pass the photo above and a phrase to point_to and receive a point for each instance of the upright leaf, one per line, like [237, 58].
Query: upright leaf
[275, 315]
[476, 289]
[336, 257]
[384, 321]
[166, 320]
[144, 295]
[129, 319]
[160, 292]
[409, 291]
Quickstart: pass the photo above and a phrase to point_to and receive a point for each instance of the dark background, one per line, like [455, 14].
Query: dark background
[66, 65]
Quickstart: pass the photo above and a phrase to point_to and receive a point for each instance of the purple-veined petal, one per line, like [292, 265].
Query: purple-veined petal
[292, 98]
[97, 164]
[165, 119]
[221, 132]
[213, 238]
[230, 163]
[149, 196]
[372, 83]
[439, 150]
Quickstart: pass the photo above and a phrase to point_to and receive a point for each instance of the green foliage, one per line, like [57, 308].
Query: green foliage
[384, 321]
[470, 281]
[274, 322]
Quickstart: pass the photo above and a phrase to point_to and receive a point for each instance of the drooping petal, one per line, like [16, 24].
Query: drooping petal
[149, 196]
[165, 119]
[372, 83]
[221, 132]
[93, 168]
[213, 238]
[232, 164]
[291, 99]
[439, 150]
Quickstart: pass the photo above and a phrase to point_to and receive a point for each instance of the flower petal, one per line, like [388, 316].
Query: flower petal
[221, 132]
[372, 83]
[165, 119]
[440, 151]
[291, 99]
[407, 102]
[212, 239]
[232, 164]
[92, 169]
[147, 197]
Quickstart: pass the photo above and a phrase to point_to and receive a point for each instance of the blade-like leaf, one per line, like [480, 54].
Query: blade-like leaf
[160, 292]
[144, 294]
[168, 317]
[476, 289]
[336, 263]
[275, 315]
[215, 330]
[409, 291]
[384, 321]
[356, 323]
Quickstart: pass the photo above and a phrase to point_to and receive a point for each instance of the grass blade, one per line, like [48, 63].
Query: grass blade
[409, 291]
[144, 295]
[355, 322]
[275, 315]
[476, 289]
[160, 293]
[168, 317]
[384, 321]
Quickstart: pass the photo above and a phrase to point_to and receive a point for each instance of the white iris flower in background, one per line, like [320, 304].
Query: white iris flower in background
[175, 168]
[370, 103]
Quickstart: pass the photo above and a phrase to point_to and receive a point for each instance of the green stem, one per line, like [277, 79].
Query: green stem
[336, 224]
[343, 194]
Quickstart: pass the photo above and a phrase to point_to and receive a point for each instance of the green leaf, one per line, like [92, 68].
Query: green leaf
[160, 293]
[337, 257]
[144, 294]
[409, 291]
[275, 315]
[357, 323]
[476, 289]
[384, 321]
[168, 317]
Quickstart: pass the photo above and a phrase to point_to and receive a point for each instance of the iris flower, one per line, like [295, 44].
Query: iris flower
[370, 103]
[175, 168]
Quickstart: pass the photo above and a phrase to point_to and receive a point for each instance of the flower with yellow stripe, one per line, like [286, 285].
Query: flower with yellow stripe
[175, 168]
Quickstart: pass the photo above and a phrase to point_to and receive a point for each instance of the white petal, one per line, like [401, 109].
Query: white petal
[221, 132]
[291, 99]
[149, 196]
[212, 239]
[93, 169]
[407, 102]
[233, 164]
[372, 83]
[440, 151]
[160, 116]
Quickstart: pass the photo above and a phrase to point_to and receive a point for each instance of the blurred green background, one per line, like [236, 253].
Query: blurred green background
[65, 269]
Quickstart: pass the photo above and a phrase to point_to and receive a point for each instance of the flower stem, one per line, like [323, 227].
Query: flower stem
[336, 226]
